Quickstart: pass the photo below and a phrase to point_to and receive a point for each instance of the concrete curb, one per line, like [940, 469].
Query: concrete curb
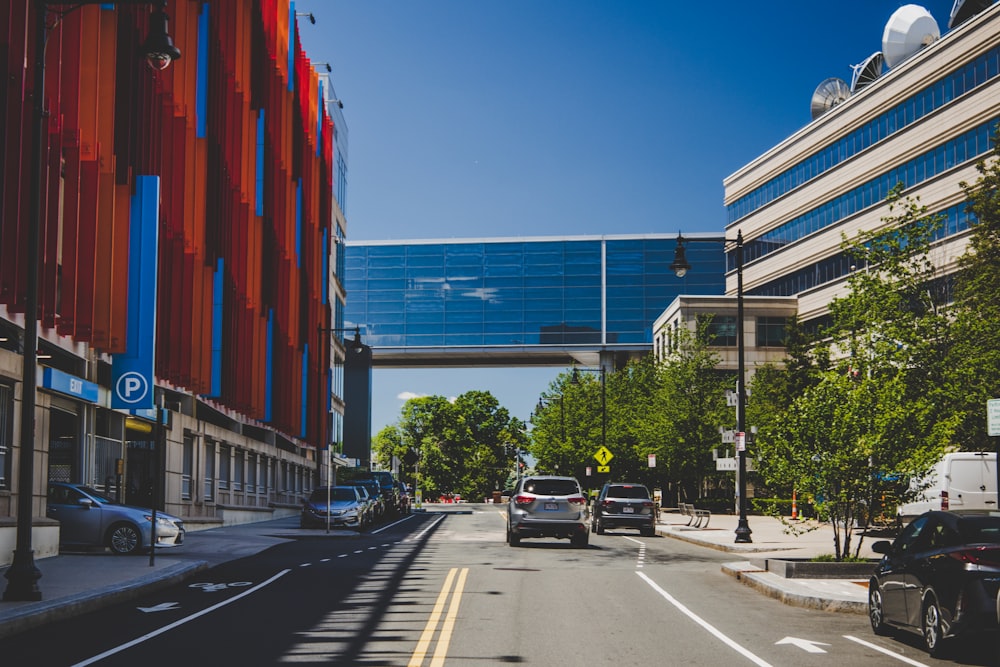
[768, 584]
[35, 614]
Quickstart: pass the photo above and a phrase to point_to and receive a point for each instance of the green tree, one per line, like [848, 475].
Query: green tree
[975, 362]
[690, 405]
[878, 410]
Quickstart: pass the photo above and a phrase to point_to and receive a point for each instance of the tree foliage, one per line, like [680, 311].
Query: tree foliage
[465, 446]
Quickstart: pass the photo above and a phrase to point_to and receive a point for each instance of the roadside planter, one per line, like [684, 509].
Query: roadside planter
[803, 568]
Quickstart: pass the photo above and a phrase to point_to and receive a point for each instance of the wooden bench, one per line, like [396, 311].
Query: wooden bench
[695, 516]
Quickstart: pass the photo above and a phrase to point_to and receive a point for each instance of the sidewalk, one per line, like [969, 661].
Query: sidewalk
[771, 539]
[74, 584]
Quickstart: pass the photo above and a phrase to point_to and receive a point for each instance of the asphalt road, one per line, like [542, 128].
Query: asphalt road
[438, 589]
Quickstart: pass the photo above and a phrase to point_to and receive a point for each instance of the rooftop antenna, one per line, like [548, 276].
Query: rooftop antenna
[963, 10]
[828, 94]
[867, 71]
[909, 29]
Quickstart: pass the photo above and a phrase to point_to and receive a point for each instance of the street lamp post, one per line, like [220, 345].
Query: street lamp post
[159, 50]
[680, 266]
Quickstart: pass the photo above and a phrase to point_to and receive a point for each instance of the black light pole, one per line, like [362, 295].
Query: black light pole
[680, 266]
[23, 575]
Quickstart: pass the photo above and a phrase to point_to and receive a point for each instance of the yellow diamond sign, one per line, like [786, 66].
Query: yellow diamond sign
[603, 455]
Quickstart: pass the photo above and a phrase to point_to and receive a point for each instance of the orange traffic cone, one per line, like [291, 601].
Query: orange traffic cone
[795, 507]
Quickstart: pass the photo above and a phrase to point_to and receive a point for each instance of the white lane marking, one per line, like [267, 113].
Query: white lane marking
[705, 624]
[305, 564]
[641, 561]
[163, 606]
[422, 532]
[343, 555]
[390, 525]
[324, 560]
[875, 647]
[180, 622]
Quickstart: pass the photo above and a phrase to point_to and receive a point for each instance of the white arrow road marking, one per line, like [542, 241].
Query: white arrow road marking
[163, 606]
[806, 645]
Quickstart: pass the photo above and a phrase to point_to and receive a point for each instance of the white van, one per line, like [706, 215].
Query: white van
[960, 481]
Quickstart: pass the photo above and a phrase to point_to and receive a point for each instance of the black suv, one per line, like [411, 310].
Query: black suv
[625, 505]
[386, 483]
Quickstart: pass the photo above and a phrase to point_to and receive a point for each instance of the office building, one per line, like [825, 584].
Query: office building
[189, 226]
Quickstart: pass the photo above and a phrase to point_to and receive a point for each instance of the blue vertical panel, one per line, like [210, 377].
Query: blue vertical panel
[305, 392]
[298, 224]
[269, 366]
[132, 372]
[201, 80]
[260, 165]
[217, 303]
[320, 103]
[326, 266]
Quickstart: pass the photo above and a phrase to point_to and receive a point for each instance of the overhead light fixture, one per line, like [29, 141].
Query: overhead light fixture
[159, 48]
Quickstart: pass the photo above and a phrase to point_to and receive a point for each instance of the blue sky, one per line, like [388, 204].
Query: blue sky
[481, 118]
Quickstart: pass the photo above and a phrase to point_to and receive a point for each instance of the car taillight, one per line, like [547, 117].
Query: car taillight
[607, 503]
[577, 500]
[647, 503]
[988, 556]
[944, 501]
[523, 500]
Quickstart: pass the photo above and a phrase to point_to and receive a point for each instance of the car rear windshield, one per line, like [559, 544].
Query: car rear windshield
[980, 530]
[319, 495]
[628, 491]
[552, 487]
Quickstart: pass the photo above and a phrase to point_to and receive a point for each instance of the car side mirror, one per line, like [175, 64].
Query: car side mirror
[882, 547]
[85, 502]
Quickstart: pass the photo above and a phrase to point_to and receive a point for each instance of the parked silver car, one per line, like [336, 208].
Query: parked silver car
[335, 506]
[548, 506]
[88, 518]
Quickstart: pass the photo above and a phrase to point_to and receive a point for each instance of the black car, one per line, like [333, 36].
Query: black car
[374, 493]
[939, 578]
[624, 505]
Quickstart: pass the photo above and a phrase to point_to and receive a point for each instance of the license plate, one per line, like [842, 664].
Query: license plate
[551, 506]
[628, 510]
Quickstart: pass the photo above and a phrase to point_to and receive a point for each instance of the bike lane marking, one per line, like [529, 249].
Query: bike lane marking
[179, 622]
[703, 623]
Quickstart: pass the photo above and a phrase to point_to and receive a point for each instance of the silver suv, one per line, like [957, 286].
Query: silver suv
[548, 506]
[624, 505]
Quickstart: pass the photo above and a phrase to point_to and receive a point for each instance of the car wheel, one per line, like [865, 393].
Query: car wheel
[931, 626]
[580, 540]
[876, 610]
[600, 527]
[647, 531]
[513, 539]
[124, 539]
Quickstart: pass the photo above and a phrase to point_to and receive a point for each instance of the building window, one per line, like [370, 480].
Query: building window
[209, 471]
[722, 331]
[771, 331]
[251, 473]
[187, 467]
[225, 452]
[6, 433]
[238, 471]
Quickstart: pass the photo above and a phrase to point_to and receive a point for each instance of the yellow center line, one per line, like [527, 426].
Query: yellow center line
[417, 659]
[441, 650]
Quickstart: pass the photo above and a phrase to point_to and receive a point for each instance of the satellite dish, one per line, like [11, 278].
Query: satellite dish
[829, 94]
[910, 28]
[867, 71]
[963, 10]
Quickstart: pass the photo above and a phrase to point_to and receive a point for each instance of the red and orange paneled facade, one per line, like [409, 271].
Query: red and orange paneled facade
[240, 138]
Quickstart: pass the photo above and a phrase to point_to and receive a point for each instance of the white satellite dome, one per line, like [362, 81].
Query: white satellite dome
[910, 28]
